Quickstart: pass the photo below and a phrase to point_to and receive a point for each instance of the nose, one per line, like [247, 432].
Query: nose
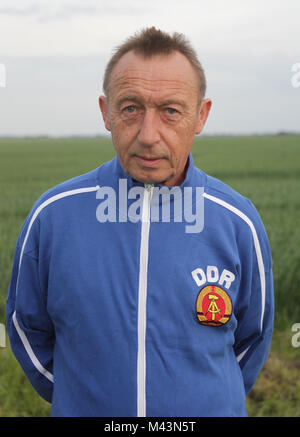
[149, 129]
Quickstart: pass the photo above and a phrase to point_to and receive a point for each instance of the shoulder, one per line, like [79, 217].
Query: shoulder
[238, 208]
[225, 198]
[84, 182]
[69, 189]
[78, 185]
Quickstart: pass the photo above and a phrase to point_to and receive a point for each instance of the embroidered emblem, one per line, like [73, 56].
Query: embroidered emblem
[213, 306]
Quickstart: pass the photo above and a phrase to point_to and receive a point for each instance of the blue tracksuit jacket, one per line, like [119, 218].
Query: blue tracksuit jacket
[112, 315]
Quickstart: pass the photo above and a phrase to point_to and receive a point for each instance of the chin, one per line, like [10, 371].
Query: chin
[151, 179]
[150, 176]
[145, 179]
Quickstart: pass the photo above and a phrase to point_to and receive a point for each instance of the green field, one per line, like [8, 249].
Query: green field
[265, 169]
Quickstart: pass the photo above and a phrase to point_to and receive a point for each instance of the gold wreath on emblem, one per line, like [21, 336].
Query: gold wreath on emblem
[212, 314]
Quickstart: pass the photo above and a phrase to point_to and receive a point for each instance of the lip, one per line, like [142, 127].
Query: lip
[148, 162]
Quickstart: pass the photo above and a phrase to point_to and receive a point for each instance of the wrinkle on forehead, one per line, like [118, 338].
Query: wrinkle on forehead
[151, 84]
[173, 73]
[157, 90]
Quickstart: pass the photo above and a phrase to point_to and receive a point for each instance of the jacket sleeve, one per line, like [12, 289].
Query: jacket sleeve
[30, 329]
[256, 313]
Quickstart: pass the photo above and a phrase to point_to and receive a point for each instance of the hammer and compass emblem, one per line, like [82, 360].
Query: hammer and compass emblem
[213, 306]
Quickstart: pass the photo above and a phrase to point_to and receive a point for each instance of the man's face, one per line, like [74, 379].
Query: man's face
[153, 114]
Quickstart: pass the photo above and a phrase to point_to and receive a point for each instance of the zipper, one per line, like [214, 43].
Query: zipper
[142, 303]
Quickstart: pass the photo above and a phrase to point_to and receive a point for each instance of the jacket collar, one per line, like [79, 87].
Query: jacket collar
[112, 175]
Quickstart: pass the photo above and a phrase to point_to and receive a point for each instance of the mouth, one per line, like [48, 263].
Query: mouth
[149, 162]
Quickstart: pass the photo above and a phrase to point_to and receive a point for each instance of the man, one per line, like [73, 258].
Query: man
[117, 308]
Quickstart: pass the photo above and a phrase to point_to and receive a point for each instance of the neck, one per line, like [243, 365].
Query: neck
[181, 179]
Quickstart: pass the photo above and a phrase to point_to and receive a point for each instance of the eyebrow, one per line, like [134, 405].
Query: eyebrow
[173, 102]
[128, 98]
[166, 102]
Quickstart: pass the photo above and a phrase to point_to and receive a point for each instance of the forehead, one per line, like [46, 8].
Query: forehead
[155, 76]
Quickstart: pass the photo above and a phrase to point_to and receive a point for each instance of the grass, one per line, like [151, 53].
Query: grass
[277, 389]
[265, 169]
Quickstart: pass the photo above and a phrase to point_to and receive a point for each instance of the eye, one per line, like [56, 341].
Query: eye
[130, 109]
[171, 111]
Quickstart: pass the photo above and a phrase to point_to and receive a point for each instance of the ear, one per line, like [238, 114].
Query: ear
[104, 110]
[203, 114]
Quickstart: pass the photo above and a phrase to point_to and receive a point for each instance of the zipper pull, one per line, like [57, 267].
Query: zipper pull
[147, 202]
[148, 187]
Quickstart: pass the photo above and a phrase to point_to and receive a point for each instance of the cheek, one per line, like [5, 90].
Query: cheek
[179, 140]
[123, 138]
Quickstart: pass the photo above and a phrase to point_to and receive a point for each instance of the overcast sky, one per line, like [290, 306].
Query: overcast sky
[53, 54]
